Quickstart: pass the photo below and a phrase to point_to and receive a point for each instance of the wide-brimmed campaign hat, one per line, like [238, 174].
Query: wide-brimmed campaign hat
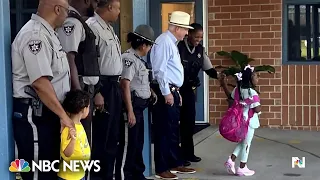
[146, 32]
[181, 19]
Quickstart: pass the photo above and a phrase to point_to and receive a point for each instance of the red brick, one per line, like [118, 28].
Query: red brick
[268, 21]
[276, 14]
[210, 3]
[260, 41]
[230, 22]
[223, 29]
[278, 20]
[267, 88]
[275, 27]
[215, 23]
[250, 8]
[215, 36]
[260, 14]
[267, 7]
[222, 15]
[275, 82]
[267, 35]
[240, 15]
[260, 55]
[275, 41]
[214, 9]
[250, 35]
[240, 42]
[275, 54]
[268, 48]
[267, 115]
[251, 48]
[231, 36]
[230, 48]
[237, 2]
[260, 28]
[250, 21]
[230, 9]
[259, 1]
[222, 42]
[240, 28]
[221, 2]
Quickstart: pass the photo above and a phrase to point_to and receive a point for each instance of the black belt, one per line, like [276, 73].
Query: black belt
[110, 78]
[26, 101]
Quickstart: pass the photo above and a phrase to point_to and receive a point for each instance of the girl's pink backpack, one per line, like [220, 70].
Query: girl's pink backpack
[233, 127]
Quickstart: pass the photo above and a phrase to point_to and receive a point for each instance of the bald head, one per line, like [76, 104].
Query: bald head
[53, 11]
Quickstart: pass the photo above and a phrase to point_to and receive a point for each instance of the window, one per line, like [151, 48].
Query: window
[301, 36]
[20, 13]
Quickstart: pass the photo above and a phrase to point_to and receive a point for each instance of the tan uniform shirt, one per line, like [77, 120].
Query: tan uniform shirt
[71, 34]
[137, 73]
[37, 52]
[110, 51]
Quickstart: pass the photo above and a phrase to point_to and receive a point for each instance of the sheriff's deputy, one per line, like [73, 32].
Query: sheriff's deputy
[135, 84]
[40, 74]
[106, 122]
[193, 58]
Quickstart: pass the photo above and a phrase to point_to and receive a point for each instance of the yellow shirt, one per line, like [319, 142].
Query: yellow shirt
[81, 152]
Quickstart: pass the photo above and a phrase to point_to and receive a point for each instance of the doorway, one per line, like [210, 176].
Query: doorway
[160, 11]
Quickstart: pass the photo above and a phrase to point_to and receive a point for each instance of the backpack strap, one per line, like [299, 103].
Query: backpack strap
[236, 94]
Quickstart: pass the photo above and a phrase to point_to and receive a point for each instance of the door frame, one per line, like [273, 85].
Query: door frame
[202, 6]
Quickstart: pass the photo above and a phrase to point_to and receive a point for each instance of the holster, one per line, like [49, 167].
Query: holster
[37, 104]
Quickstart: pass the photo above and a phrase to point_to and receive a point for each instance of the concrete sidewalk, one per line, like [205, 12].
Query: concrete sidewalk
[270, 155]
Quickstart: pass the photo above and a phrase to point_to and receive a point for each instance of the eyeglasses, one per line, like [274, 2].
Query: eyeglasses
[66, 9]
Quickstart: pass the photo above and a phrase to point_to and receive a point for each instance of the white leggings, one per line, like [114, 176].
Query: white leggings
[243, 147]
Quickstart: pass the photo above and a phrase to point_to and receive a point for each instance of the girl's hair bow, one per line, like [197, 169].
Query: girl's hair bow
[239, 76]
[248, 66]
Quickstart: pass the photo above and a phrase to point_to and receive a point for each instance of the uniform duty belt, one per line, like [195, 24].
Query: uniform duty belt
[171, 86]
[110, 78]
[26, 101]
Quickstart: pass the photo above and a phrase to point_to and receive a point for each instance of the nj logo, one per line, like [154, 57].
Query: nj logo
[35, 46]
[68, 29]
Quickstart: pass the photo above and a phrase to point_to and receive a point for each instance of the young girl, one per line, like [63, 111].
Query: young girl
[247, 79]
[75, 146]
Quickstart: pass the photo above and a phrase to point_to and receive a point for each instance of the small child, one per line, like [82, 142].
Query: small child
[247, 80]
[76, 147]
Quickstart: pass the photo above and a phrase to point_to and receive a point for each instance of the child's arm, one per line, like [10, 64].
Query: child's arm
[224, 86]
[70, 147]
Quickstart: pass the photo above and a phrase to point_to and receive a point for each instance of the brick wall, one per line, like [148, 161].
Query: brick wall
[289, 97]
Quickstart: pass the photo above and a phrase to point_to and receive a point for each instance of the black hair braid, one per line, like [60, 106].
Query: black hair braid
[239, 90]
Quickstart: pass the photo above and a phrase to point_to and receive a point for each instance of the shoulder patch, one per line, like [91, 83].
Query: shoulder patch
[68, 29]
[127, 63]
[35, 46]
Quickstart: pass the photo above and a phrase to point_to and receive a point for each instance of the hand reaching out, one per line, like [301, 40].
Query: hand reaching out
[222, 79]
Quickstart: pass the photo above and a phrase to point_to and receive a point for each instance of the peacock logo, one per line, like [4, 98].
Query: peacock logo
[19, 165]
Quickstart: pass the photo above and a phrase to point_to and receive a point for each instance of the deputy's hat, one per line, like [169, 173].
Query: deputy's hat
[181, 19]
[146, 32]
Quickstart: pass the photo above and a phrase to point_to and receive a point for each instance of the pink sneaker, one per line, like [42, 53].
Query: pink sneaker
[244, 171]
[229, 165]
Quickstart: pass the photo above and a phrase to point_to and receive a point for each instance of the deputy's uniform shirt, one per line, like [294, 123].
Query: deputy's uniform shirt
[206, 60]
[70, 35]
[37, 52]
[135, 70]
[110, 51]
